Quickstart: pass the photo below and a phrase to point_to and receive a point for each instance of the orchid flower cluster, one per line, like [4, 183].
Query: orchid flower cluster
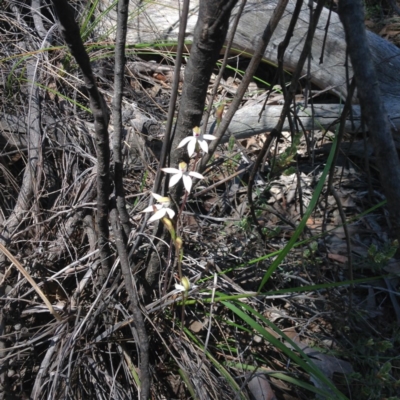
[162, 208]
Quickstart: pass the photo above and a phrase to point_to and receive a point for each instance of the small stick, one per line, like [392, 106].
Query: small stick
[25, 273]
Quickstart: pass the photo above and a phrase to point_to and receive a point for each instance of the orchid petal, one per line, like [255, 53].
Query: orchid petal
[175, 179]
[180, 288]
[171, 213]
[187, 182]
[185, 141]
[156, 196]
[150, 208]
[164, 201]
[171, 170]
[196, 175]
[158, 215]
[204, 146]
[209, 137]
[191, 146]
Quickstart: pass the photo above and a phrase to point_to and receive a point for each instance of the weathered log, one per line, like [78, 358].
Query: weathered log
[248, 122]
[158, 22]
[245, 124]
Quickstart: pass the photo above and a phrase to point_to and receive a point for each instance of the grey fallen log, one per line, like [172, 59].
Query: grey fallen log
[158, 22]
[247, 122]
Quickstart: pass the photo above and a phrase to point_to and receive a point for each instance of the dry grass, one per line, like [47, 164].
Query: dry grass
[198, 346]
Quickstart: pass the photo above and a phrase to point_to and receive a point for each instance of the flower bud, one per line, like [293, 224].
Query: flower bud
[178, 243]
[186, 283]
[219, 112]
[169, 225]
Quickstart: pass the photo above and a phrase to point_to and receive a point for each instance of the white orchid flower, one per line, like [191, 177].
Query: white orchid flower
[182, 173]
[161, 209]
[197, 137]
[185, 285]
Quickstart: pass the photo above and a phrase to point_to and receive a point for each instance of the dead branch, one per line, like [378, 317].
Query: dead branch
[119, 69]
[373, 110]
[71, 34]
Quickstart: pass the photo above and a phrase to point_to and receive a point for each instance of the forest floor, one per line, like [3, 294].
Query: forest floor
[334, 295]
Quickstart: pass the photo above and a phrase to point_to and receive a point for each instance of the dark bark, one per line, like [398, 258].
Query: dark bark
[134, 307]
[228, 47]
[351, 14]
[209, 36]
[247, 78]
[70, 31]
[119, 215]
[174, 95]
[71, 34]
[119, 69]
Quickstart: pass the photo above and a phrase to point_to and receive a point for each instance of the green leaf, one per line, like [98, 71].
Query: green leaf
[303, 360]
[303, 222]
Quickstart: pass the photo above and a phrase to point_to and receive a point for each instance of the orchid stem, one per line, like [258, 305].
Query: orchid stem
[185, 197]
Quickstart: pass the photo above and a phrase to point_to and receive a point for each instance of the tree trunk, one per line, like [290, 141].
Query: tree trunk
[210, 33]
[370, 96]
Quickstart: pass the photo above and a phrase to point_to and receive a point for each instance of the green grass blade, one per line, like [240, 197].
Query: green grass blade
[222, 370]
[278, 375]
[188, 383]
[89, 26]
[303, 222]
[91, 7]
[309, 288]
[304, 361]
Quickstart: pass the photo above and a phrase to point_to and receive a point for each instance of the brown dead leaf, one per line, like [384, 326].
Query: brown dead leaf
[196, 326]
[338, 258]
[327, 364]
[260, 388]
[391, 29]
[314, 223]
[370, 24]
[52, 88]
[159, 76]
[250, 142]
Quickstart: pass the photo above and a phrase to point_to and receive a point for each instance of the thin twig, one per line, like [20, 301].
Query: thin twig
[247, 78]
[275, 133]
[119, 69]
[71, 34]
[25, 273]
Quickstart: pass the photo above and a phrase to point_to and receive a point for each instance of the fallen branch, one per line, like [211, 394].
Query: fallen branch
[159, 22]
